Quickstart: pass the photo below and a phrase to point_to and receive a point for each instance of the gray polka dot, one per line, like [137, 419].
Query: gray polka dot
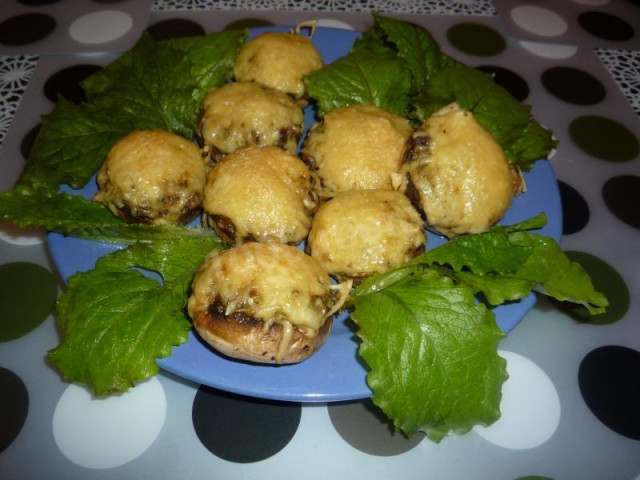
[365, 427]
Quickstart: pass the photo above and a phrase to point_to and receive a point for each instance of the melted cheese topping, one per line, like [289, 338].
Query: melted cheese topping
[463, 178]
[154, 174]
[268, 281]
[358, 233]
[278, 60]
[265, 192]
[357, 148]
[238, 115]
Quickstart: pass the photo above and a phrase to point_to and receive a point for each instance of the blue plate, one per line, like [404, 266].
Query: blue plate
[335, 372]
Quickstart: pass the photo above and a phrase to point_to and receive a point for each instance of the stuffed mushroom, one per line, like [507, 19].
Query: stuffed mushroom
[264, 302]
[362, 232]
[458, 174]
[278, 60]
[240, 114]
[262, 194]
[153, 177]
[359, 147]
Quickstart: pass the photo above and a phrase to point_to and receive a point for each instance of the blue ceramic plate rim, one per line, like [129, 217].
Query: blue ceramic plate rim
[335, 372]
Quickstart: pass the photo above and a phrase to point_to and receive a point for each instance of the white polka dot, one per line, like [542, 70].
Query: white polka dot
[530, 407]
[539, 20]
[21, 236]
[110, 431]
[332, 23]
[547, 50]
[592, 2]
[100, 27]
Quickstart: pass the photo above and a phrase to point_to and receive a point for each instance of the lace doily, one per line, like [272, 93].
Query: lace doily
[15, 73]
[470, 7]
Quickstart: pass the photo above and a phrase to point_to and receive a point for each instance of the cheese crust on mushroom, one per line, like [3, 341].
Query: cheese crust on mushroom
[239, 115]
[153, 176]
[278, 60]
[360, 147]
[264, 302]
[362, 232]
[459, 174]
[261, 194]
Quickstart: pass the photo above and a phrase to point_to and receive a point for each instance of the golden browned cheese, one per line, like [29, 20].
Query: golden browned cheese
[359, 147]
[268, 281]
[462, 177]
[238, 115]
[153, 177]
[278, 60]
[362, 232]
[264, 192]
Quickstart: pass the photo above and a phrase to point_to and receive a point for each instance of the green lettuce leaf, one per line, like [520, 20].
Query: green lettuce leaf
[150, 85]
[413, 44]
[62, 213]
[72, 144]
[496, 289]
[552, 273]
[505, 264]
[76, 216]
[212, 57]
[516, 259]
[431, 347]
[116, 322]
[432, 352]
[369, 77]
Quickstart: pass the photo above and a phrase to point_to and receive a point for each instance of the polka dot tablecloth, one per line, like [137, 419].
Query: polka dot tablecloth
[58, 27]
[571, 406]
[596, 23]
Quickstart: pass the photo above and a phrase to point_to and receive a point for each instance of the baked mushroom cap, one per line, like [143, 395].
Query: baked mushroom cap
[362, 232]
[243, 114]
[261, 194]
[360, 147]
[278, 60]
[154, 177]
[264, 302]
[459, 173]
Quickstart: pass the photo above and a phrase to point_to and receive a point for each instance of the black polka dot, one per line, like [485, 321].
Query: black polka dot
[35, 3]
[573, 85]
[606, 280]
[534, 477]
[621, 194]
[604, 138]
[509, 80]
[248, 23]
[476, 39]
[607, 26]
[28, 140]
[26, 28]
[240, 429]
[365, 427]
[575, 211]
[610, 385]
[14, 405]
[66, 83]
[175, 28]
